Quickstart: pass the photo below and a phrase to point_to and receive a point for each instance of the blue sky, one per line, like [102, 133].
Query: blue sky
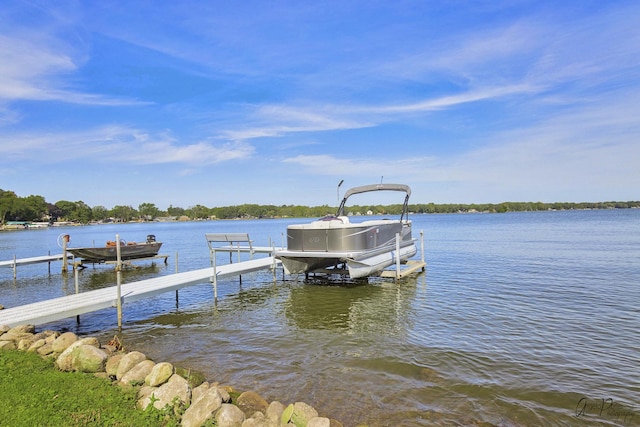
[274, 102]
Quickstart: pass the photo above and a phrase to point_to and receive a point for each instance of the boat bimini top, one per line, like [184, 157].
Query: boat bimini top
[378, 187]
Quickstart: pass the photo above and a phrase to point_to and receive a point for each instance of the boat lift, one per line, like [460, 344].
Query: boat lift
[243, 244]
[411, 265]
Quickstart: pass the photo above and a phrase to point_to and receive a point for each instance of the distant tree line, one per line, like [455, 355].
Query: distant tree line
[36, 208]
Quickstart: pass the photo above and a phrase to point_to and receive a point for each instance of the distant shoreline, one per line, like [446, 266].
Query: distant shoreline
[312, 212]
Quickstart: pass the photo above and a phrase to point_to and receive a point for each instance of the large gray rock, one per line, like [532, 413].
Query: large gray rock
[202, 410]
[33, 348]
[229, 416]
[51, 336]
[259, 420]
[160, 374]
[128, 361]
[26, 341]
[22, 329]
[4, 328]
[137, 374]
[250, 402]
[146, 395]
[113, 362]
[7, 345]
[274, 411]
[65, 359]
[90, 341]
[176, 388]
[15, 337]
[64, 341]
[319, 422]
[198, 392]
[88, 358]
[302, 413]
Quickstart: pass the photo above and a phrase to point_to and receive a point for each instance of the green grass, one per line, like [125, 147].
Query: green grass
[34, 392]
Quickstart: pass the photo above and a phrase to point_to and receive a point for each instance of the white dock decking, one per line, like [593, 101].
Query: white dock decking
[73, 305]
[14, 263]
[33, 260]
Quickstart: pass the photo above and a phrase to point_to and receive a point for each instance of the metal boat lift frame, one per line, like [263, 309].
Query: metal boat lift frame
[214, 239]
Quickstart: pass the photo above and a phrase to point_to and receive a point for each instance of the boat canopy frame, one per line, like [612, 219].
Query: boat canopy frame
[378, 187]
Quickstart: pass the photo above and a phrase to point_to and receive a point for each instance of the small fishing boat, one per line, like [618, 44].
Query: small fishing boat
[335, 245]
[109, 252]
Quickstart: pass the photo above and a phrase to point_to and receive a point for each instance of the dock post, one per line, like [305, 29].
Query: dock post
[176, 273]
[49, 263]
[273, 256]
[65, 240]
[422, 248]
[77, 285]
[75, 278]
[118, 281]
[15, 268]
[397, 256]
[215, 281]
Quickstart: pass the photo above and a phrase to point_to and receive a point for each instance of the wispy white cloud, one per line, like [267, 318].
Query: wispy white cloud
[582, 153]
[37, 70]
[280, 120]
[525, 102]
[200, 153]
[121, 144]
[354, 166]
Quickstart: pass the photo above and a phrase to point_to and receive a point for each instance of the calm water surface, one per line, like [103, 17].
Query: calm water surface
[521, 319]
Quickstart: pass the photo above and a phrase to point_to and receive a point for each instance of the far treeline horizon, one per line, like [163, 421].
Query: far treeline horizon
[36, 208]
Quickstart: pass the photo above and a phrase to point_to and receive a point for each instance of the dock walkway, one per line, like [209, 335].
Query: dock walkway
[14, 263]
[33, 260]
[73, 305]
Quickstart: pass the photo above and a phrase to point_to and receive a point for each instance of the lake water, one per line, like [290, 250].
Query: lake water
[521, 319]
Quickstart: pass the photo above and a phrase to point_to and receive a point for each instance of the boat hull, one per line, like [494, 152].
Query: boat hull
[365, 265]
[109, 253]
[364, 248]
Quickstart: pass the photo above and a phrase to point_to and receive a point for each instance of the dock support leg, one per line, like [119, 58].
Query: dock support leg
[75, 278]
[165, 261]
[422, 249]
[65, 241]
[215, 281]
[118, 282]
[15, 268]
[397, 257]
[273, 266]
[77, 285]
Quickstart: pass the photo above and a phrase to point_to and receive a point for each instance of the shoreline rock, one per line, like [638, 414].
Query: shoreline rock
[160, 384]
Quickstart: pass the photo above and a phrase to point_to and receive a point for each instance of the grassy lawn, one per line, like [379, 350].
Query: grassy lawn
[34, 393]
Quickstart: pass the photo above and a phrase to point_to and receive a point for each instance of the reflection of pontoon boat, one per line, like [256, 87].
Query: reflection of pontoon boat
[334, 244]
[128, 251]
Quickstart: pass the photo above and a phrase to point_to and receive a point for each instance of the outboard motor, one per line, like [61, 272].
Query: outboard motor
[151, 238]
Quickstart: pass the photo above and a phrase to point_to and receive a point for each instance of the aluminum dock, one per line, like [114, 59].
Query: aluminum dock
[33, 260]
[74, 305]
[14, 263]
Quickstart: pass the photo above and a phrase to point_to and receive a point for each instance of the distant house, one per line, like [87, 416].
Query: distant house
[15, 225]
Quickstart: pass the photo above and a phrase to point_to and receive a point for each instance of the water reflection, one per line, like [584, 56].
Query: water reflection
[379, 307]
[102, 277]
